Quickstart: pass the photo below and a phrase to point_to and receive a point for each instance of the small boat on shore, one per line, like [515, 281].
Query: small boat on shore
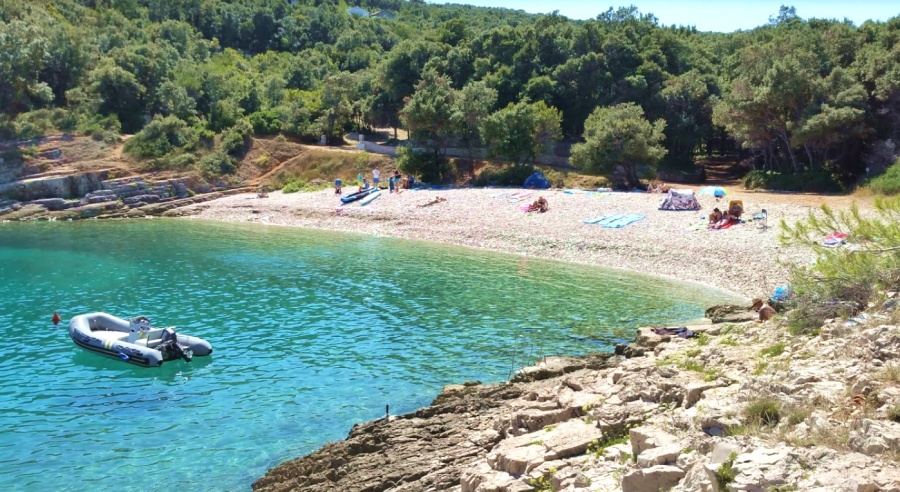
[368, 199]
[359, 194]
[134, 340]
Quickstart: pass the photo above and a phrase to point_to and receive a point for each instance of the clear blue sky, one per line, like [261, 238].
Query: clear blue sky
[721, 16]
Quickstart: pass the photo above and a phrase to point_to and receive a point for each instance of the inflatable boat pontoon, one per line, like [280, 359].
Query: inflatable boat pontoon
[134, 340]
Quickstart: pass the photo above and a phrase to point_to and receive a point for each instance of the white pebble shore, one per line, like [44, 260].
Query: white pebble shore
[744, 260]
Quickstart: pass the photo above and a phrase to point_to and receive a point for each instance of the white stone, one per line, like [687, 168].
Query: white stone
[643, 438]
[663, 455]
[653, 479]
[569, 438]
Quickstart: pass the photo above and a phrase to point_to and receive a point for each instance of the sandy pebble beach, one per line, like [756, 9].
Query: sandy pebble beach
[745, 260]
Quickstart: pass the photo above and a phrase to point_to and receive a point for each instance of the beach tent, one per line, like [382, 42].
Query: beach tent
[680, 200]
[537, 180]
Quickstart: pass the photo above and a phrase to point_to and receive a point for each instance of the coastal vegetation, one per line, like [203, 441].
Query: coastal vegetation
[802, 104]
[844, 281]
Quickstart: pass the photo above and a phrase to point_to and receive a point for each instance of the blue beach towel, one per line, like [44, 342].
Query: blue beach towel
[615, 221]
[604, 219]
[624, 221]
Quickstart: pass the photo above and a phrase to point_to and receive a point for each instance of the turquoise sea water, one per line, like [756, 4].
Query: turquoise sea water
[312, 332]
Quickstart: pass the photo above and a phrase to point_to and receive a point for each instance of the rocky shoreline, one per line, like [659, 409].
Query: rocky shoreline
[742, 405]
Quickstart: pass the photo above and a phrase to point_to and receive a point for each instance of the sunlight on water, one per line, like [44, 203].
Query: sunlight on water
[312, 332]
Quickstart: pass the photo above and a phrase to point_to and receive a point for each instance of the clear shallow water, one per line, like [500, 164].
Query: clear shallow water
[312, 332]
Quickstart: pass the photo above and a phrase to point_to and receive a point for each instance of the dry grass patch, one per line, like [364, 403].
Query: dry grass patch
[890, 374]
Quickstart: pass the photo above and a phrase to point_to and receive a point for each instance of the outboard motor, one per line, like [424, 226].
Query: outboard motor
[169, 345]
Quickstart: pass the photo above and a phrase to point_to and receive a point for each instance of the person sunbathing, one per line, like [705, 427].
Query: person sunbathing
[725, 220]
[437, 199]
[539, 205]
[715, 217]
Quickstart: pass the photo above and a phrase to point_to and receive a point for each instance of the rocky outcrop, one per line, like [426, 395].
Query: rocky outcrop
[742, 407]
[98, 197]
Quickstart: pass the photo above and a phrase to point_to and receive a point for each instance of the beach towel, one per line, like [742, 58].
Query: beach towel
[615, 221]
[726, 225]
[603, 219]
[681, 331]
[623, 221]
[518, 197]
[498, 195]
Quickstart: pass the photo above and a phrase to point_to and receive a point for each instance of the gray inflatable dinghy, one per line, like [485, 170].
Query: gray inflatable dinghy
[134, 341]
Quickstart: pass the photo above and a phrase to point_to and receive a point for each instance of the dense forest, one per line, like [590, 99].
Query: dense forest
[806, 103]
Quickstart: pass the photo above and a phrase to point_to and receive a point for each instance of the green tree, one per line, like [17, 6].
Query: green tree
[519, 132]
[23, 48]
[471, 107]
[688, 115]
[427, 114]
[338, 94]
[398, 76]
[112, 90]
[619, 137]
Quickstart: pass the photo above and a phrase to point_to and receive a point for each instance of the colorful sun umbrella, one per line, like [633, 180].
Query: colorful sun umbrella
[716, 191]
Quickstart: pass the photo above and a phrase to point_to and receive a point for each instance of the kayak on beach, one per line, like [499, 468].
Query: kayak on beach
[369, 198]
[359, 194]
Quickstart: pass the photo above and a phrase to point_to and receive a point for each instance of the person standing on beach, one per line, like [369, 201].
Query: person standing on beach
[391, 184]
[376, 176]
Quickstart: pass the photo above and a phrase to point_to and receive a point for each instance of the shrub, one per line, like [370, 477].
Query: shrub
[236, 140]
[160, 137]
[38, 123]
[843, 281]
[764, 411]
[216, 164]
[426, 166]
[263, 162]
[725, 473]
[293, 187]
[104, 129]
[507, 176]
[887, 183]
[266, 122]
[174, 162]
[818, 182]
